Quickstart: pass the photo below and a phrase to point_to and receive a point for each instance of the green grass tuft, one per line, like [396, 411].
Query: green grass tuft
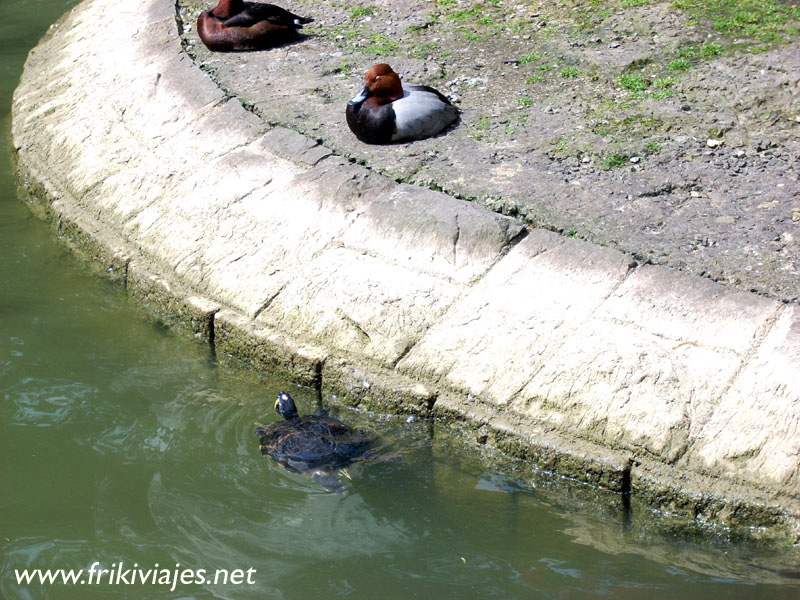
[535, 57]
[380, 43]
[767, 21]
[680, 64]
[362, 11]
[633, 82]
[613, 161]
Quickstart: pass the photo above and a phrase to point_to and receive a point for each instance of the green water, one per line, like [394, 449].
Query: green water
[124, 443]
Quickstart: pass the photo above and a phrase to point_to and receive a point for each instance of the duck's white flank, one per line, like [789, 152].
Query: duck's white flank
[420, 113]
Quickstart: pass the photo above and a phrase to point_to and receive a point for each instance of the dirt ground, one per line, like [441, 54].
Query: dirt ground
[668, 130]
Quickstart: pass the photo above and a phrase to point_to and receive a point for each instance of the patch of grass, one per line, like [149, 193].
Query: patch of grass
[664, 82]
[690, 54]
[481, 128]
[710, 50]
[341, 35]
[484, 123]
[535, 57]
[679, 64]
[641, 124]
[345, 69]
[634, 3]
[380, 43]
[633, 82]
[362, 11]
[517, 25]
[591, 15]
[561, 147]
[699, 52]
[661, 94]
[569, 72]
[652, 148]
[662, 87]
[477, 22]
[602, 128]
[472, 36]
[762, 20]
[463, 15]
[535, 78]
[421, 49]
[768, 21]
[613, 161]
[686, 52]
[627, 128]
[524, 101]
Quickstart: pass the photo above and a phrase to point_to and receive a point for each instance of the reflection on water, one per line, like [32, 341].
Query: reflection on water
[42, 402]
[123, 443]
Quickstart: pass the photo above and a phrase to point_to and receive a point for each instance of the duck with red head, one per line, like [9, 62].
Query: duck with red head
[238, 25]
[388, 111]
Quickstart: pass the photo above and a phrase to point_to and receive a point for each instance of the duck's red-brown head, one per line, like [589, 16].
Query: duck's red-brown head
[227, 8]
[380, 83]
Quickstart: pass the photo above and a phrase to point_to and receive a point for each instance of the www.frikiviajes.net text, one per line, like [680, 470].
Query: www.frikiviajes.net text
[135, 575]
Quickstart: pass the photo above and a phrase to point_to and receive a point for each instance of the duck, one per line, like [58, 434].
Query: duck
[386, 111]
[237, 25]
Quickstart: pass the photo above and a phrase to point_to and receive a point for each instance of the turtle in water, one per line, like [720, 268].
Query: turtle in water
[319, 446]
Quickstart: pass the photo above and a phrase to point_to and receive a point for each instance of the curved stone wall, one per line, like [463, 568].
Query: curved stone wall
[634, 377]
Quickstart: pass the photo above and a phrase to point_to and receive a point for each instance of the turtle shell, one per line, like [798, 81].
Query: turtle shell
[313, 442]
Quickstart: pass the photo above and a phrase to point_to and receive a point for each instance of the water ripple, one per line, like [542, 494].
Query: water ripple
[42, 402]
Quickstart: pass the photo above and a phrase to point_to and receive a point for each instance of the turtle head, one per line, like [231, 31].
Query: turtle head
[285, 407]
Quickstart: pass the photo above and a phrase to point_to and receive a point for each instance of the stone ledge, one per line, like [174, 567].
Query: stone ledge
[300, 261]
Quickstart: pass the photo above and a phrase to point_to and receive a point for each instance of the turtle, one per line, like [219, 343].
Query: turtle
[317, 445]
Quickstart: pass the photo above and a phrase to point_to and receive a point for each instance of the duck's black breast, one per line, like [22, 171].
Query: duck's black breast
[256, 12]
[371, 122]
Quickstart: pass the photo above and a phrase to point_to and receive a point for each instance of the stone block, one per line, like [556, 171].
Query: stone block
[692, 310]
[754, 431]
[352, 302]
[495, 339]
[433, 232]
[624, 387]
